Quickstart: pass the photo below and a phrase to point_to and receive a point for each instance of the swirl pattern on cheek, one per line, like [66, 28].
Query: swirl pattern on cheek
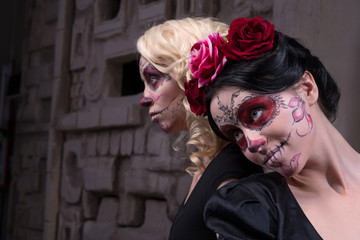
[299, 113]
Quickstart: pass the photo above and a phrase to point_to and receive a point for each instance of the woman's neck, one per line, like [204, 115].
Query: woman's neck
[334, 166]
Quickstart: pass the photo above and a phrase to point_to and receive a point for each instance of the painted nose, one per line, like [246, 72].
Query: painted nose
[255, 142]
[146, 101]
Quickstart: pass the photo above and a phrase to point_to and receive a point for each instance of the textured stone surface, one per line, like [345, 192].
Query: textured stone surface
[72, 181]
[108, 172]
[70, 223]
[114, 116]
[103, 143]
[131, 210]
[108, 210]
[68, 122]
[115, 142]
[88, 119]
[127, 142]
[99, 174]
[140, 139]
[91, 140]
[94, 231]
[90, 204]
[156, 139]
[156, 225]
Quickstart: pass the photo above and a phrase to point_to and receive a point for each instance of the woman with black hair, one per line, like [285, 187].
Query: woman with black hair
[276, 101]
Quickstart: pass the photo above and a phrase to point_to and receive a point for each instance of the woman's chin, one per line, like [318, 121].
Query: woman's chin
[165, 127]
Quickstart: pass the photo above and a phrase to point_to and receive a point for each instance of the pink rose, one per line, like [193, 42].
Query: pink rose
[206, 61]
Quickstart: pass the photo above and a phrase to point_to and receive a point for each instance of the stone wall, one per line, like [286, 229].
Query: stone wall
[331, 29]
[88, 163]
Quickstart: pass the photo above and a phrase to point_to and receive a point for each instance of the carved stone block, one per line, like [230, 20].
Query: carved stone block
[103, 143]
[36, 217]
[135, 114]
[115, 138]
[91, 142]
[155, 141]
[80, 42]
[114, 116]
[155, 11]
[70, 223]
[88, 119]
[95, 231]
[67, 122]
[140, 137]
[99, 174]
[131, 210]
[108, 210]
[127, 142]
[156, 226]
[90, 203]
[83, 4]
[72, 181]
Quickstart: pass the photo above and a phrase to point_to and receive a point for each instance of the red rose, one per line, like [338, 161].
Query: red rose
[248, 38]
[196, 97]
[206, 61]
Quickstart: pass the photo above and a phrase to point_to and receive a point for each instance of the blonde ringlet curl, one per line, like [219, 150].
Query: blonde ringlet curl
[167, 47]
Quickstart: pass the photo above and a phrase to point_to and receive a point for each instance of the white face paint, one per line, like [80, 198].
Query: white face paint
[269, 128]
[163, 97]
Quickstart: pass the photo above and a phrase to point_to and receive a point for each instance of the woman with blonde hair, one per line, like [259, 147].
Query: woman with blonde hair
[164, 68]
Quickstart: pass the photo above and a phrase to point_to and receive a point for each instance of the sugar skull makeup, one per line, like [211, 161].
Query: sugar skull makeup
[163, 96]
[254, 112]
[267, 127]
[154, 78]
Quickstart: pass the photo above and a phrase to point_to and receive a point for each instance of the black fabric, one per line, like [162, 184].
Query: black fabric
[259, 207]
[229, 163]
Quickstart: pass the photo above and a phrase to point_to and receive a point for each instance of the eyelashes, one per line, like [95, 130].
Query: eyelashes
[235, 135]
[153, 77]
[229, 132]
[256, 112]
[253, 113]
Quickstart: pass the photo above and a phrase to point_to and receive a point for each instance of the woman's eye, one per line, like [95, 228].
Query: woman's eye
[153, 80]
[257, 111]
[256, 114]
[234, 134]
[153, 76]
[238, 135]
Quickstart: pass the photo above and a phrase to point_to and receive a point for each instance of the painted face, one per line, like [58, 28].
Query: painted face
[163, 97]
[269, 128]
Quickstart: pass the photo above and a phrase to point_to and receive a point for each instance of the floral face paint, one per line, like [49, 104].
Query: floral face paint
[267, 127]
[299, 113]
[163, 96]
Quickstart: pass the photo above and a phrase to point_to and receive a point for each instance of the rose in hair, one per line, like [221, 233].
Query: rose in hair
[248, 38]
[196, 97]
[206, 61]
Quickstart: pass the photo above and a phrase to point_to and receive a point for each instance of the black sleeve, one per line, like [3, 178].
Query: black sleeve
[235, 213]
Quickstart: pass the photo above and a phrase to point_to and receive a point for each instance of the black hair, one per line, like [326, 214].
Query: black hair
[276, 71]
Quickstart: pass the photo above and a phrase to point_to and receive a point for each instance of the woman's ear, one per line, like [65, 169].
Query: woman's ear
[309, 88]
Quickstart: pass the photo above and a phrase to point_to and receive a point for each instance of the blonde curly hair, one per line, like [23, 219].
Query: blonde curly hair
[167, 46]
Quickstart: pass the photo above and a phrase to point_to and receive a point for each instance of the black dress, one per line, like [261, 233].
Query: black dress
[189, 223]
[259, 207]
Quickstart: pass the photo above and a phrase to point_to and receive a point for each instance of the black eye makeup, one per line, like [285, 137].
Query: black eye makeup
[153, 77]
